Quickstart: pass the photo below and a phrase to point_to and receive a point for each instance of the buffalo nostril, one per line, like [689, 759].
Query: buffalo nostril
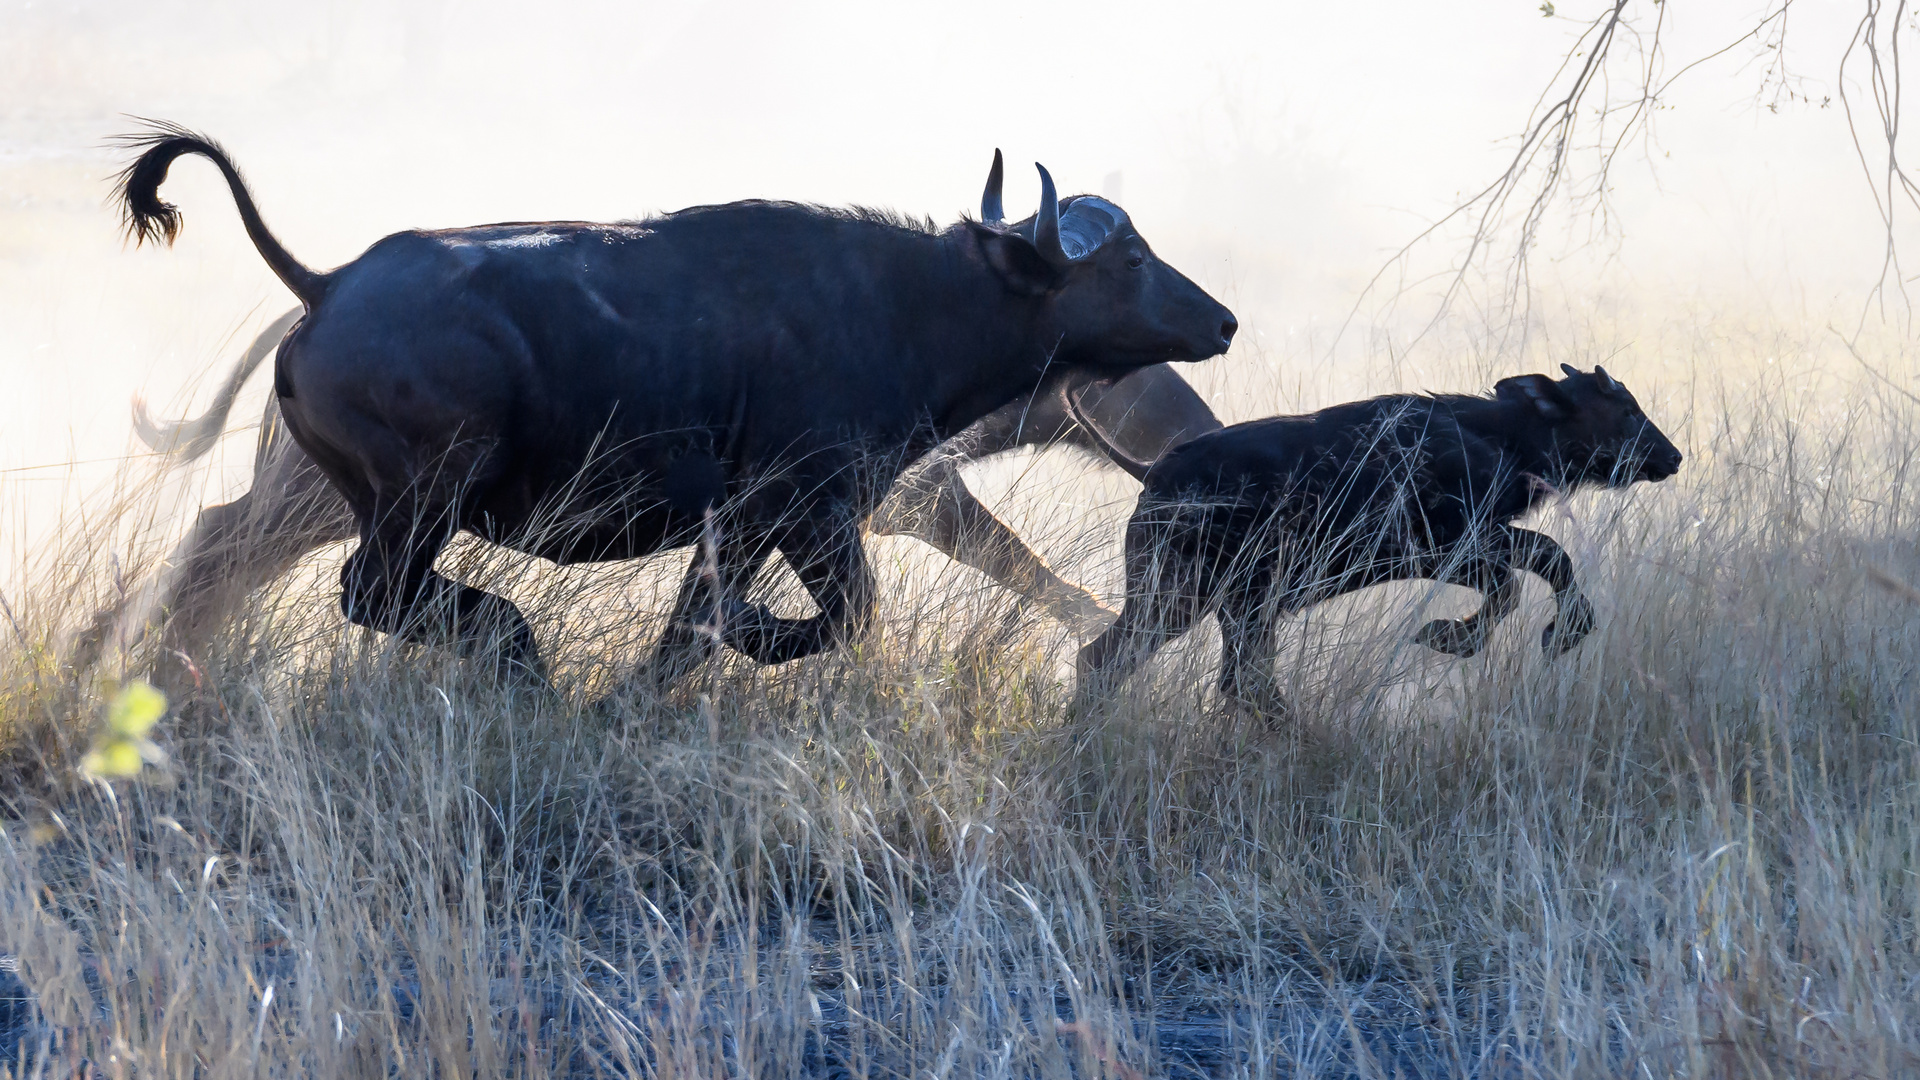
[1227, 328]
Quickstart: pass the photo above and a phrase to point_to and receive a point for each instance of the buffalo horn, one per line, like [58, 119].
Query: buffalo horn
[1046, 224]
[1608, 384]
[991, 211]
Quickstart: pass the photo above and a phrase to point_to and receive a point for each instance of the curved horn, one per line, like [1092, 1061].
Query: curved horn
[991, 212]
[1570, 369]
[1608, 384]
[1046, 224]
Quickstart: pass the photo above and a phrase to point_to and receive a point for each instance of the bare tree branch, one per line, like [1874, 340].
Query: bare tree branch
[1580, 112]
[1890, 180]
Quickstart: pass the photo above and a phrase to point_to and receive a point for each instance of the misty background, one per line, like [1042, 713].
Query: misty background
[1278, 153]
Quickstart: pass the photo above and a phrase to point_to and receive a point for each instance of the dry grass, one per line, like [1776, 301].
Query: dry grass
[1689, 848]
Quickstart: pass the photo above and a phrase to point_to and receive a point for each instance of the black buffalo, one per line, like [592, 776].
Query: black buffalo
[1265, 518]
[290, 510]
[756, 373]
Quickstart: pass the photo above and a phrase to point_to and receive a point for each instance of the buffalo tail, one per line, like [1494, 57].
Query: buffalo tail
[147, 217]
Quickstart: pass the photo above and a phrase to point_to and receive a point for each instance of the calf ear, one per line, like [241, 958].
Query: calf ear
[1017, 262]
[1541, 392]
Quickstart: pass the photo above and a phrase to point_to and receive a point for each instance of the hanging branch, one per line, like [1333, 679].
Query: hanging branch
[1580, 111]
[1889, 181]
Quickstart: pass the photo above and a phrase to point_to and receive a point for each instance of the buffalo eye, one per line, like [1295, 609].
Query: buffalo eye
[1135, 260]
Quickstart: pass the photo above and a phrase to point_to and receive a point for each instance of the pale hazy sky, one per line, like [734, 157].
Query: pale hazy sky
[1274, 151]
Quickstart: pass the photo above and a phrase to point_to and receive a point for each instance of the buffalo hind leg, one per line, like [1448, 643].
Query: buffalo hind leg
[1106, 662]
[1164, 600]
[1246, 646]
[389, 585]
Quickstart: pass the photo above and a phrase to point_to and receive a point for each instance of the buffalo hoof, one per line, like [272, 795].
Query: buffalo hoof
[1276, 716]
[526, 672]
[1263, 702]
[752, 629]
[1095, 692]
[743, 617]
[1080, 610]
[1570, 629]
[1455, 637]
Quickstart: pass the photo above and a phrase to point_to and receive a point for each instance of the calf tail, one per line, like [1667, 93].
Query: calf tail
[148, 218]
[191, 439]
[1120, 457]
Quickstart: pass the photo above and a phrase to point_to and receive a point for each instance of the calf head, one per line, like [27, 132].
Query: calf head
[1591, 428]
[1113, 303]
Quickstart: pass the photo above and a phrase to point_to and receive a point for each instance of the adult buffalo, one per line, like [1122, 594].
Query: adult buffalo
[756, 373]
[290, 510]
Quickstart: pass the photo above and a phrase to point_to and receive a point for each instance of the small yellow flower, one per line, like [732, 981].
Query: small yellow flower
[135, 709]
[114, 759]
[123, 749]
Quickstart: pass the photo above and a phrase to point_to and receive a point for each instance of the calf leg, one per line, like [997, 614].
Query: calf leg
[231, 550]
[1246, 645]
[389, 584]
[931, 503]
[1164, 599]
[1142, 629]
[1492, 574]
[1539, 554]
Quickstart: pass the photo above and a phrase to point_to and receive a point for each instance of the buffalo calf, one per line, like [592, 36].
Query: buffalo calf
[1263, 519]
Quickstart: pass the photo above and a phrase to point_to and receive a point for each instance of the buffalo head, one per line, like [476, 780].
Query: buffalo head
[1597, 428]
[1114, 304]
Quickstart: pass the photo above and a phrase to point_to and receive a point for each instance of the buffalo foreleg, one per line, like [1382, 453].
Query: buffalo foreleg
[1541, 555]
[389, 585]
[1493, 573]
[723, 567]
[931, 503]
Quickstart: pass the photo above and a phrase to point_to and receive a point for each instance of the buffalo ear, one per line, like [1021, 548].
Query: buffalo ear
[1017, 262]
[1541, 392]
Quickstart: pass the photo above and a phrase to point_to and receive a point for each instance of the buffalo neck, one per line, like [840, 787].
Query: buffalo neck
[992, 345]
